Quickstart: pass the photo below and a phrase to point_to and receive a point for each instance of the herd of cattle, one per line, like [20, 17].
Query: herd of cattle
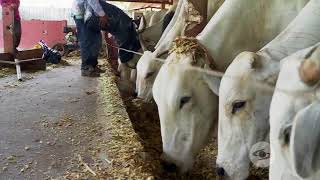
[256, 44]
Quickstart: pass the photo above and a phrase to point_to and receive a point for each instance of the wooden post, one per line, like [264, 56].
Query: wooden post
[8, 23]
[163, 5]
[201, 6]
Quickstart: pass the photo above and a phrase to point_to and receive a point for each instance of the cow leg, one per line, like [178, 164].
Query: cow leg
[124, 71]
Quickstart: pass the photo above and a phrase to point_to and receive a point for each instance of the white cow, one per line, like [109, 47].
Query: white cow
[148, 67]
[157, 17]
[174, 19]
[148, 37]
[295, 118]
[147, 17]
[243, 108]
[187, 106]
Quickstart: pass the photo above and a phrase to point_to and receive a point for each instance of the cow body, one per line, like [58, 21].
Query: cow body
[148, 67]
[295, 118]
[187, 106]
[244, 108]
[158, 16]
[150, 31]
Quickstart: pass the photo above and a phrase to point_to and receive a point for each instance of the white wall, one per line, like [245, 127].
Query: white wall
[46, 3]
[46, 10]
[45, 13]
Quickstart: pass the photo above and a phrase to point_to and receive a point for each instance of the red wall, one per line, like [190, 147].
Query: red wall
[33, 31]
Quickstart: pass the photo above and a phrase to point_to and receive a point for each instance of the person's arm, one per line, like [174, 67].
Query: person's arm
[95, 5]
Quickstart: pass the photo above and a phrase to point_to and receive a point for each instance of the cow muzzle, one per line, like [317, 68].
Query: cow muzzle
[169, 166]
[221, 172]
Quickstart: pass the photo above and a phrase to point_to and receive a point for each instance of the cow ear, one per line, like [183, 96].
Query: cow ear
[305, 141]
[309, 70]
[285, 133]
[213, 83]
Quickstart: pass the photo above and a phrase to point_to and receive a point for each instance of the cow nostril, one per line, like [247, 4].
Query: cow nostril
[220, 171]
[169, 167]
[135, 94]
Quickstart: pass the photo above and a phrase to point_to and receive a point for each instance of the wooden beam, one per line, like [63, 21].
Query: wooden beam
[146, 1]
[201, 7]
[137, 9]
[8, 23]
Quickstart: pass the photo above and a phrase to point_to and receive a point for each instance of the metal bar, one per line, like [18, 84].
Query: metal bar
[28, 60]
[19, 61]
[7, 62]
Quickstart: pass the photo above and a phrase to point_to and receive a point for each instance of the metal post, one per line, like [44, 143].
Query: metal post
[18, 68]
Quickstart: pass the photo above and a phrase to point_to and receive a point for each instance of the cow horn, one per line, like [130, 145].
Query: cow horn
[142, 25]
[142, 43]
[310, 68]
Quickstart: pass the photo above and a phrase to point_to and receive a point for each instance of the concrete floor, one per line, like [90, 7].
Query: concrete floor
[41, 119]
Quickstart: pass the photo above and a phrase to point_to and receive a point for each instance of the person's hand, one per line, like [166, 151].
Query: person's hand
[103, 21]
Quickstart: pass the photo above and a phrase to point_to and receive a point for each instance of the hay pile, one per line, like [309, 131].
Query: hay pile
[75, 53]
[123, 145]
[4, 72]
[136, 140]
[140, 135]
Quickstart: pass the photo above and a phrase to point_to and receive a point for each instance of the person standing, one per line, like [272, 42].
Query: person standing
[14, 4]
[89, 36]
[122, 27]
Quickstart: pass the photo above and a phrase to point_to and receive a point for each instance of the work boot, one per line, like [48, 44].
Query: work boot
[99, 70]
[90, 72]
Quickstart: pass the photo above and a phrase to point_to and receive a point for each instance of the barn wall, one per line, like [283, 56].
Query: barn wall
[46, 13]
[35, 30]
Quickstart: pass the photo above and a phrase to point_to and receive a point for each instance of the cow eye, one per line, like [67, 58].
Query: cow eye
[238, 105]
[285, 134]
[184, 100]
[149, 74]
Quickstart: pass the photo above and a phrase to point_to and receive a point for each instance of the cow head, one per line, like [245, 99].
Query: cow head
[295, 118]
[187, 107]
[143, 34]
[147, 70]
[243, 113]
[149, 35]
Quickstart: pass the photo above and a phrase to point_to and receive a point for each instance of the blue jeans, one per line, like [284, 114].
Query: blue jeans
[90, 44]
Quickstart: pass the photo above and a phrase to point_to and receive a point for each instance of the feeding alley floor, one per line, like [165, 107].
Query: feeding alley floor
[50, 125]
